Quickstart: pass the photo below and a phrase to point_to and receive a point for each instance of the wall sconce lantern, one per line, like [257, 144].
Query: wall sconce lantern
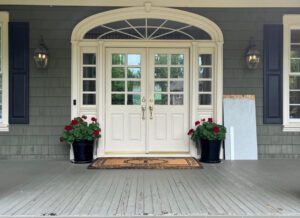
[252, 55]
[41, 55]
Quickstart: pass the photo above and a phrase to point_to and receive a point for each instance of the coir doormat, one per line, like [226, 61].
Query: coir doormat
[145, 163]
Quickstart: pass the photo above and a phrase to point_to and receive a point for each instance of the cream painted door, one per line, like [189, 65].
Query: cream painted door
[147, 101]
[125, 101]
[168, 101]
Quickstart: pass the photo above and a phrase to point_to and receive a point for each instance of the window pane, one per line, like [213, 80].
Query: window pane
[134, 86]
[205, 72]
[176, 72]
[117, 86]
[161, 72]
[295, 36]
[204, 59]
[176, 99]
[204, 99]
[294, 97]
[294, 112]
[176, 86]
[133, 99]
[118, 72]
[134, 59]
[204, 86]
[117, 99]
[161, 59]
[161, 99]
[89, 72]
[118, 59]
[89, 85]
[89, 58]
[295, 51]
[134, 72]
[161, 86]
[89, 99]
[295, 65]
[177, 59]
[294, 82]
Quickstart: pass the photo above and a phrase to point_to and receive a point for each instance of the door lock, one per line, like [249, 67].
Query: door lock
[151, 112]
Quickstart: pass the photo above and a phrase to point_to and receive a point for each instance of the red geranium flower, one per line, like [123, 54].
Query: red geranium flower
[191, 131]
[84, 117]
[81, 120]
[94, 119]
[197, 123]
[74, 122]
[96, 132]
[203, 119]
[68, 128]
[210, 120]
[216, 129]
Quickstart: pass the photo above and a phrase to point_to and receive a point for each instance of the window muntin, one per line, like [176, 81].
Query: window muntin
[205, 79]
[168, 79]
[147, 28]
[294, 74]
[88, 79]
[125, 79]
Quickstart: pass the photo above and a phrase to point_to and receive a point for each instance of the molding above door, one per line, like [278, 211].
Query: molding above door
[164, 3]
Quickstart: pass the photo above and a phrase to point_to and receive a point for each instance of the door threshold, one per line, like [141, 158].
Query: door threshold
[148, 155]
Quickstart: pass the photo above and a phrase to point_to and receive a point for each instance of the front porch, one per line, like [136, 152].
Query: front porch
[232, 188]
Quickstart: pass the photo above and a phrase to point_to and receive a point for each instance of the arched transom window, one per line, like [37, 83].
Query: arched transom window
[147, 29]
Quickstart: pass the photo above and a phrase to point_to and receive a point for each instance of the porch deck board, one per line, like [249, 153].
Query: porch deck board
[265, 187]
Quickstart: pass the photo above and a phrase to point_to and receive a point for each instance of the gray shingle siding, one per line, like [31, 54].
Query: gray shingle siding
[50, 89]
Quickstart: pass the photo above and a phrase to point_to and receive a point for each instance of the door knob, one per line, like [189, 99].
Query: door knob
[143, 112]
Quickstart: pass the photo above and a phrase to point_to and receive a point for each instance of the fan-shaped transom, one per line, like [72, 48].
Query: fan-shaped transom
[147, 29]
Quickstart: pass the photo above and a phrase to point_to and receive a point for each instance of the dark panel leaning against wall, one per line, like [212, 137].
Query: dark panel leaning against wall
[50, 89]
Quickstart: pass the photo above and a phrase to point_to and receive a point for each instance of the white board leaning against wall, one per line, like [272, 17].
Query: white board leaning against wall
[240, 121]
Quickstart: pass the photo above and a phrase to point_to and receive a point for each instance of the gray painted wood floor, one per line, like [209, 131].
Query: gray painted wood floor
[242, 188]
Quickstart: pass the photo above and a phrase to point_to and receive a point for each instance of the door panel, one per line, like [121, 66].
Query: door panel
[125, 89]
[147, 107]
[168, 76]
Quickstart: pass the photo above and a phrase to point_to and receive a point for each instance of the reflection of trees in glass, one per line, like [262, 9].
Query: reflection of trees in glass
[118, 72]
[133, 86]
[177, 59]
[295, 65]
[118, 86]
[161, 59]
[118, 99]
[134, 72]
[161, 72]
[118, 59]
[133, 99]
[176, 72]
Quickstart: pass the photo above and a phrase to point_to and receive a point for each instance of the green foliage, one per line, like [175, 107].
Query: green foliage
[80, 129]
[208, 130]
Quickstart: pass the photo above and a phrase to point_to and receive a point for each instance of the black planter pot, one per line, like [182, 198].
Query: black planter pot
[83, 151]
[210, 151]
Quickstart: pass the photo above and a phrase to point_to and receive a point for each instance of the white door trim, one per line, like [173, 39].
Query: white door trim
[195, 46]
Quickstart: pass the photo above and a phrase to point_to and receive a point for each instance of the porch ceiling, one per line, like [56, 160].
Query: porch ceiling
[240, 188]
[164, 3]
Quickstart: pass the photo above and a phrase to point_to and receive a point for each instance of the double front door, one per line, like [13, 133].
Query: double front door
[147, 101]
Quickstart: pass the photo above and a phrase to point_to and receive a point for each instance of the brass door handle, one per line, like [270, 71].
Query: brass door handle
[143, 112]
[151, 112]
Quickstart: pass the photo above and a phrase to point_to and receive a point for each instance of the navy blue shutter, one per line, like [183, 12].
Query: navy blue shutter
[273, 73]
[18, 73]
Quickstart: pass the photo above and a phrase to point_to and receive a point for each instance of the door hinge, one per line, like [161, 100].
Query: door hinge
[74, 101]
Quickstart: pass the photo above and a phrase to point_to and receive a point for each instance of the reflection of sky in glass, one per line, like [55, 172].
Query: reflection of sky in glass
[134, 59]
